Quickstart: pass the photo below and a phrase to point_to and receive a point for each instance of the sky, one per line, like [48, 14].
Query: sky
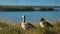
[30, 2]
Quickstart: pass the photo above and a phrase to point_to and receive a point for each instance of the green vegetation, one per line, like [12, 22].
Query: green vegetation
[16, 8]
[16, 29]
[25, 8]
[46, 9]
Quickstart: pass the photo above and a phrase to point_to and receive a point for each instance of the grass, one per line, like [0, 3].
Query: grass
[16, 29]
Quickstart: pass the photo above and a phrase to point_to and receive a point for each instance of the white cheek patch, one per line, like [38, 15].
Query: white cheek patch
[41, 24]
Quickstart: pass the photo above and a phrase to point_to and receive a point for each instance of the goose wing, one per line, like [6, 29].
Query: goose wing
[29, 25]
[48, 24]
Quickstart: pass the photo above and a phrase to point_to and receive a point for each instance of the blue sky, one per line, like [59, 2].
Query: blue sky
[30, 2]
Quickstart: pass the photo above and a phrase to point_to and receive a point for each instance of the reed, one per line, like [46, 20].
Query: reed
[16, 29]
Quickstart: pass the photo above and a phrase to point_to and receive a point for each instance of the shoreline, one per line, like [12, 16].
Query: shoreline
[27, 8]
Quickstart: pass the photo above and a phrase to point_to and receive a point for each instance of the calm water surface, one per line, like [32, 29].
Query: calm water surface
[33, 17]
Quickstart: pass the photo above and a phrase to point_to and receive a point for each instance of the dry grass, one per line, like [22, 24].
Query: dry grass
[16, 29]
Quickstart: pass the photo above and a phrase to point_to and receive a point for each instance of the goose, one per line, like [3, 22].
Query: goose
[45, 24]
[26, 25]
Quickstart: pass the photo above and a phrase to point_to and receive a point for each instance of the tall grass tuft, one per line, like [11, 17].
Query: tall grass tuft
[16, 29]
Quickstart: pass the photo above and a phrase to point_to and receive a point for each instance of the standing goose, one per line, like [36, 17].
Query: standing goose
[45, 24]
[26, 25]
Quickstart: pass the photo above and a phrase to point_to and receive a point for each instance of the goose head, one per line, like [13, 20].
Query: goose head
[42, 19]
[23, 16]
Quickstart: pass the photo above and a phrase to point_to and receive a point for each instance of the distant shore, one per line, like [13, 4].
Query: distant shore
[26, 8]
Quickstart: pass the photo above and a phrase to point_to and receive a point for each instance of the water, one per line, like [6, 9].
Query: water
[33, 17]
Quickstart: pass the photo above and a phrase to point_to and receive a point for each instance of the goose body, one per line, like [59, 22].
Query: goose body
[44, 23]
[26, 25]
